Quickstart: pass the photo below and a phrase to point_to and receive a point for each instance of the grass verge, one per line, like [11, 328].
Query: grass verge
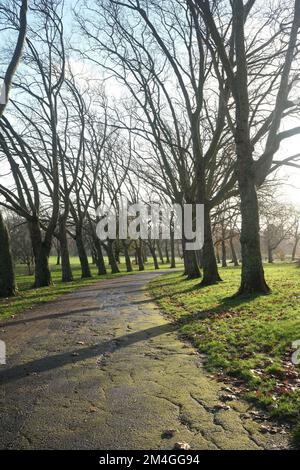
[248, 339]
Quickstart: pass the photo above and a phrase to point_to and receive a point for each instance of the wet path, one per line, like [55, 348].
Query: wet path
[103, 369]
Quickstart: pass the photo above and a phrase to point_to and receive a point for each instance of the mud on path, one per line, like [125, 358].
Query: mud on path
[103, 369]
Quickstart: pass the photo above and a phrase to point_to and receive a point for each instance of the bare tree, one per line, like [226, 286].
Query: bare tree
[7, 278]
[278, 223]
[31, 148]
[266, 63]
[144, 47]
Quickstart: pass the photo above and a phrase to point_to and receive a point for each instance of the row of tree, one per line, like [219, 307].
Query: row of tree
[190, 108]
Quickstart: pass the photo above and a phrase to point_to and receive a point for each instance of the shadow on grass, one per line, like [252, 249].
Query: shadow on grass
[226, 304]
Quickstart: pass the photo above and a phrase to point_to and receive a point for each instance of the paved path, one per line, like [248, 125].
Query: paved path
[103, 369]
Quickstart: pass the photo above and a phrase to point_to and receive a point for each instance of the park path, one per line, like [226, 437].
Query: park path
[101, 368]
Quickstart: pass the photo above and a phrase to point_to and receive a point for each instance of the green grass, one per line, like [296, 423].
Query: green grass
[248, 339]
[27, 297]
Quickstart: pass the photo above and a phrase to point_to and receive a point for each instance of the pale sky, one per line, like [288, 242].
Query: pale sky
[291, 189]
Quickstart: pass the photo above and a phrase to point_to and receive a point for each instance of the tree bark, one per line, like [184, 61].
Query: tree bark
[99, 257]
[139, 255]
[153, 254]
[41, 251]
[295, 249]
[191, 267]
[127, 258]
[11, 69]
[84, 262]
[111, 257]
[7, 276]
[199, 255]
[192, 270]
[66, 270]
[233, 253]
[167, 252]
[210, 268]
[218, 254]
[144, 254]
[172, 246]
[117, 252]
[160, 254]
[253, 278]
[224, 254]
[270, 255]
[93, 256]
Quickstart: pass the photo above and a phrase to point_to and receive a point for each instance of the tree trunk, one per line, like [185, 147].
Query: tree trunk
[29, 268]
[58, 257]
[210, 268]
[127, 258]
[160, 254]
[99, 257]
[167, 252]
[84, 262]
[233, 253]
[41, 251]
[139, 256]
[192, 270]
[172, 245]
[7, 276]
[144, 255]
[295, 249]
[93, 256]
[270, 254]
[111, 257]
[199, 258]
[66, 270]
[153, 254]
[42, 271]
[117, 252]
[180, 255]
[191, 267]
[253, 278]
[218, 254]
[224, 255]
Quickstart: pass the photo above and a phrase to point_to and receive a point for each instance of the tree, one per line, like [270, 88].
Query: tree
[143, 48]
[21, 246]
[279, 222]
[7, 278]
[257, 55]
[296, 235]
[32, 147]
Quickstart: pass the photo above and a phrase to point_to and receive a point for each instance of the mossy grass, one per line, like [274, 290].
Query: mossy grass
[247, 338]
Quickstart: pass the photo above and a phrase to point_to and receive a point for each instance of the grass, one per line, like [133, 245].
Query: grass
[248, 339]
[28, 297]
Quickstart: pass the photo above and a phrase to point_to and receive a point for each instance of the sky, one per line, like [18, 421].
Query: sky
[290, 189]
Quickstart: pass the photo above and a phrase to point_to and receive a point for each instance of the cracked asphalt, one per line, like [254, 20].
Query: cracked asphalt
[103, 369]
